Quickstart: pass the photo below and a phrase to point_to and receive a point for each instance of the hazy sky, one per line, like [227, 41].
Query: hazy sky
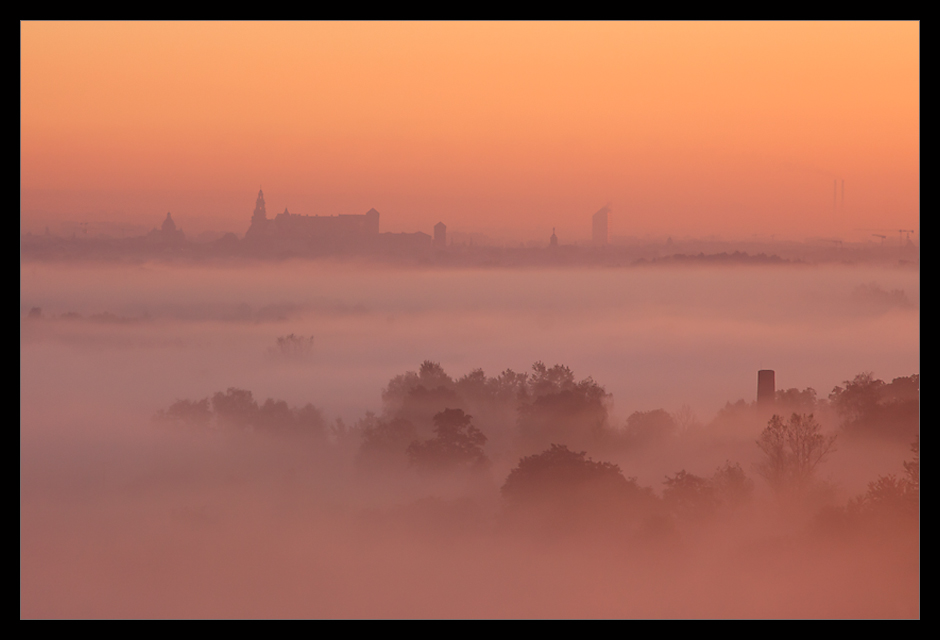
[509, 129]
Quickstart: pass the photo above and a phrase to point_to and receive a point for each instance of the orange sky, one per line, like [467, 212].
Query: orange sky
[509, 129]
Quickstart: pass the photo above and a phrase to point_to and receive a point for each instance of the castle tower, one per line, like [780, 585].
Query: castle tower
[371, 225]
[259, 226]
[440, 235]
[260, 212]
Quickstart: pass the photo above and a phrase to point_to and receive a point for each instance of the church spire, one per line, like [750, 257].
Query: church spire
[259, 207]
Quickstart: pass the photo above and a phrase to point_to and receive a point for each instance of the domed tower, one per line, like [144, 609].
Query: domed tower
[169, 227]
[168, 231]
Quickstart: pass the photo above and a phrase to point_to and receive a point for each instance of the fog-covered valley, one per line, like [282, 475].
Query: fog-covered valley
[158, 479]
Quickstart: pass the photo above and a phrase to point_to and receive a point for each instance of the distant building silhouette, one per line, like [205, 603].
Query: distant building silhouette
[766, 388]
[301, 232]
[553, 241]
[260, 215]
[599, 226]
[440, 235]
[403, 243]
[258, 228]
[167, 233]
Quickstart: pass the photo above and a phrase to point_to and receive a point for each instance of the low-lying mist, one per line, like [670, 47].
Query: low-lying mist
[320, 440]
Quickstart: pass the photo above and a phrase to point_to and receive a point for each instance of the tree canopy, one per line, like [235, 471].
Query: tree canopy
[457, 443]
[236, 409]
[792, 451]
[870, 406]
[559, 474]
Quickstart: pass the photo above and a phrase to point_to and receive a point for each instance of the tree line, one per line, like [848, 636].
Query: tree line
[435, 424]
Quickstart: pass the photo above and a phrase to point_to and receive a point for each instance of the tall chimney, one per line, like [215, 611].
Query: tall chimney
[765, 386]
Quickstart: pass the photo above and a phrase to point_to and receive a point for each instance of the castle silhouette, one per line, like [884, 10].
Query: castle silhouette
[342, 233]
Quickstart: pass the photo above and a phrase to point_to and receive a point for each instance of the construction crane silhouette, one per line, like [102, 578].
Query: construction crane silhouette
[901, 243]
[900, 233]
[901, 237]
[878, 235]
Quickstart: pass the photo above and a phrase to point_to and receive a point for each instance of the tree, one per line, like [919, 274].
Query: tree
[869, 406]
[558, 474]
[695, 497]
[797, 401]
[188, 412]
[509, 385]
[432, 375]
[886, 492]
[546, 380]
[647, 426]
[792, 450]
[558, 409]
[309, 421]
[430, 378]
[418, 397]
[859, 396]
[689, 495]
[912, 468]
[293, 347]
[892, 496]
[457, 443]
[560, 491]
[273, 416]
[384, 442]
[235, 407]
[685, 419]
[732, 486]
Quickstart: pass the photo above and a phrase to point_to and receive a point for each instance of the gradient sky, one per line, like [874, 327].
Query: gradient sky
[510, 129]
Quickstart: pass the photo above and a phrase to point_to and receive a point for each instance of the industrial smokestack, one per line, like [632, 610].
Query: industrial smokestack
[765, 387]
[599, 226]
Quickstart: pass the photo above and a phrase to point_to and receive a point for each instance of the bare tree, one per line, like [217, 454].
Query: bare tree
[792, 449]
[293, 347]
[685, 419]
